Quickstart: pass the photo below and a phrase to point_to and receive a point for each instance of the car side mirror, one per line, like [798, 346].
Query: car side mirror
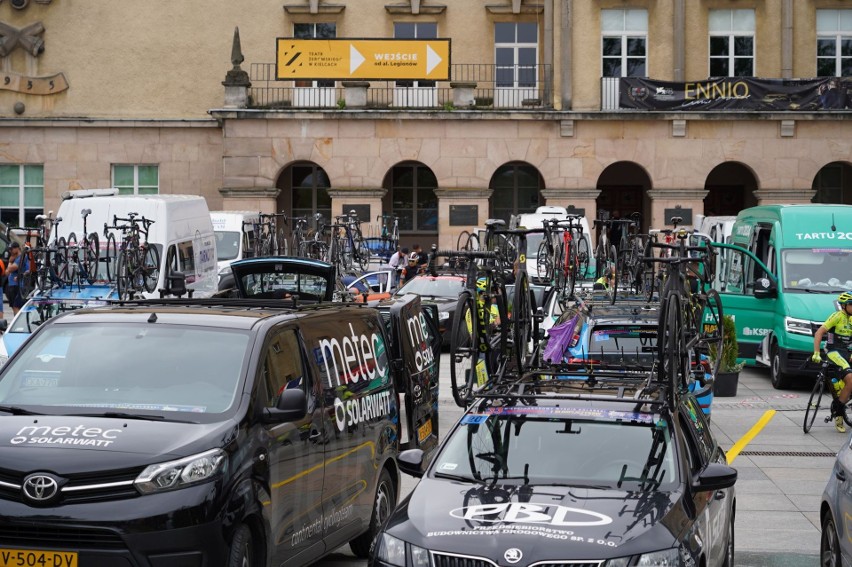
[764, 288]
[715, 476]
[292, 405]
[411, 462]
[4, 324]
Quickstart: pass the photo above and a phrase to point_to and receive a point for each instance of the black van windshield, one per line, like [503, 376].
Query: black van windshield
[826, 270]
[156, 369]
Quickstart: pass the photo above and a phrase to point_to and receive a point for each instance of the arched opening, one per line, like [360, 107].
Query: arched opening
[304, 191]
[730, 189]
[516, 189]
[411, 196]
[833, 184]
[624, 190]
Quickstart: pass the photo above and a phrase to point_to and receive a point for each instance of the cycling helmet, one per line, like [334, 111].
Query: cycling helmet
[844, 298]
[413, 257]
[481, 284]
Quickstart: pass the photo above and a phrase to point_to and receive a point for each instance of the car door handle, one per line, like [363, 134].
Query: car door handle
[720, 495]
[840, 474]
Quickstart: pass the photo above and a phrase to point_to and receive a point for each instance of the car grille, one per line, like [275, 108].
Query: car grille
[450, 560]
[88, 487]
[36, 535]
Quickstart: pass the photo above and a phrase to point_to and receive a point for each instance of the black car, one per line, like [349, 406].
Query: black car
[602, 472]
[442, 291]
[210, 432]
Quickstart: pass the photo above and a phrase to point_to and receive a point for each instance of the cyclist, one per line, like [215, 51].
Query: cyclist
[839, 324]
[13, 268]
[605, 280]
[413, 269]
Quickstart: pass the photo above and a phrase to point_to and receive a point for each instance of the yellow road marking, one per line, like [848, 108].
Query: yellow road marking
[746, 439]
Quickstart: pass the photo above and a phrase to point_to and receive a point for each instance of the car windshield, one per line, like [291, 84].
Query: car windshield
[279, 285]
[119, 367]
[823, 270]
[227, 244]
[433, 287]
[37, 311]
[601, 447]
[626, 343]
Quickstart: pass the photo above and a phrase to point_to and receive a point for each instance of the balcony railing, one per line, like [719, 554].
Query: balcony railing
[609, 93]
[497, 88]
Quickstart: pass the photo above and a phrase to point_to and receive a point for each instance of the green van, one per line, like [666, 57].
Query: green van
[779, 278]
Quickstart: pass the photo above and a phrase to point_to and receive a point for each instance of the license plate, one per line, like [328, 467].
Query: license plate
[424, 431]
[31, 558]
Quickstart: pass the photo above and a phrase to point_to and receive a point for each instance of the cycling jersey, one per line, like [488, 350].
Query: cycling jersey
[839, 324]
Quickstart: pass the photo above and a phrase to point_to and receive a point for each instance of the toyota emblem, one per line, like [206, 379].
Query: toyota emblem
[40, 488]
[513, 555]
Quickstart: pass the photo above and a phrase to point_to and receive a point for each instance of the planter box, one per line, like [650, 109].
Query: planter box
[725, 384]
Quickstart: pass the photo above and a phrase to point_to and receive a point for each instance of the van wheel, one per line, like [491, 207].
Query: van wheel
[242, 548]
[780, 380]
[383, 505]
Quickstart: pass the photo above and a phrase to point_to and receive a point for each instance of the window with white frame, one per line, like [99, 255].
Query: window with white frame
[834, 43]
[415, 30]
[731, 43]
[21, 194]
[136, 179]
[315, 31]
[624, 35]
[516, 54]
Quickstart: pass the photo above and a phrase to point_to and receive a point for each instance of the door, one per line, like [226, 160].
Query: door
[737, 270]
[417, 344]
[699, 501]
[295, 453]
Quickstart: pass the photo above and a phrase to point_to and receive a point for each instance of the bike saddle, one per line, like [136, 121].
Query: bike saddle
[495, 222]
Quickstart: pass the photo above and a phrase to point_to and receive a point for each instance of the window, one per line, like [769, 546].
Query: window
[516, 190]
[136, 179]
[415, 30]
[625, 43]
[516, 54]
[834, 43]
[731, 43]
[413, 197]
[21, 194]
[282, 367]
[310, 186]
[315, 31]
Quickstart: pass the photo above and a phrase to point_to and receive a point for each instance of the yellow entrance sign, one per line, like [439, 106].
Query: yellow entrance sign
[365, 59]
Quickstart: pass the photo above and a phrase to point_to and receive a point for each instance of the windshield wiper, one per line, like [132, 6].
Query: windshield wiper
[460, 477]
[15, 410]
[140, 416]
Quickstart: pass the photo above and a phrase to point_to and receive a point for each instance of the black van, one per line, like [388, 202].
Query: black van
[210, 432]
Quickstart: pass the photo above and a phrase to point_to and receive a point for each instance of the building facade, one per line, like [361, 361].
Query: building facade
[532, 113]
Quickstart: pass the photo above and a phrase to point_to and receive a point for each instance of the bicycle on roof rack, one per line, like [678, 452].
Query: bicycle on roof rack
[41, 264]
[347, 246]
[83, 256]
[137, 265]
[563, 254]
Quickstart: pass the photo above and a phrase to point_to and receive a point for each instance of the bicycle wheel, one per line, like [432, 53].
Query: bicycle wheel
[583, 258]
[122, 278]
[150, 268]
[282, 243]
[813, 404]
[90, 253]
[363, 253]
[612, 263]
[109, 258]
[673, 356]
[543, 262]
[522, 315]
[464, 350]
[60, 262]
[570, 268]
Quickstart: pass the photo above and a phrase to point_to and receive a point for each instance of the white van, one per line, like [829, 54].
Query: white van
[536, 220]
[182, 231]
[717, 228]
[233, 241]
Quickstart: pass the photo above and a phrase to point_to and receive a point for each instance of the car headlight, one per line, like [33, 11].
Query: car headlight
[665, 558]
[181, 473]
[393, 550]
[798, 326]
[443, 315]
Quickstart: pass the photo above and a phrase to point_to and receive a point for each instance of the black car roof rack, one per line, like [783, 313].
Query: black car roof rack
[270, 304]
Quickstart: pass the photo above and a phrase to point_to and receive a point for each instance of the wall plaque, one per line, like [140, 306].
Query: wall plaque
[363, 211]
[685, 214]
[464, 215]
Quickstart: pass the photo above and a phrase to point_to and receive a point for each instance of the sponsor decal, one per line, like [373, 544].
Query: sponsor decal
[353, 357]
[78, 436]
[418, 338]
[523, 530]
[576, 413]
[824, 236]
[531, 513]
[750, 332]
[353, 411]
[325, 522]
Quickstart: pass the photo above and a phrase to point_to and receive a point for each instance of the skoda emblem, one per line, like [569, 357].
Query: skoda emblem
[40, 488]
[513, 555]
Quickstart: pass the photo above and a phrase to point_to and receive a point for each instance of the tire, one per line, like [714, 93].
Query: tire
[151, 268]
[72, 259]
[829, 546]
[60, 262]
[729, 546]
[521, 319]
[544, 263]
[110, 258]
[464, 350]
[570, 269]
[122, 278]
[583, 258]
[242, 548]
[812, 408]
[673, 357]
[91, 253]
[363, 255]
[780, 380]
[613, 261]
[383, 505]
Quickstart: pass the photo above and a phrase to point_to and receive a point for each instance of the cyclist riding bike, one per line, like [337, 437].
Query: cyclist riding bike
[839, 324]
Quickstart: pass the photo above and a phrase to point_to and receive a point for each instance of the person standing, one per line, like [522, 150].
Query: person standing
[13, 288]
[397, 261]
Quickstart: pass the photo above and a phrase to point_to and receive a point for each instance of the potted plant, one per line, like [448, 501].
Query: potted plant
[728, 375]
